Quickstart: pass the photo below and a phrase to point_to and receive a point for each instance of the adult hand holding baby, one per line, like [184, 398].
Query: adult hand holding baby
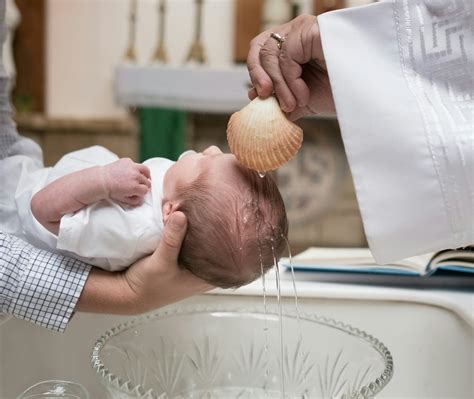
[151, 282]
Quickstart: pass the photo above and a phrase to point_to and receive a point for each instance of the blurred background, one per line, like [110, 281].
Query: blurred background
[151, 78]
[154, 77]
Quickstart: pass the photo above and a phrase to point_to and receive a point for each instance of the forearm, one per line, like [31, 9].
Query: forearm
[68, 194]
[106, 292]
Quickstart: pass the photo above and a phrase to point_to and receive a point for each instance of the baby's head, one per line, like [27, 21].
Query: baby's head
[237, 223]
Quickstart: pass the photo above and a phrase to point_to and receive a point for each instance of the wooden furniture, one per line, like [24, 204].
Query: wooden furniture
[29, 51]
[248, 24]
[322, 6]
[59, 136]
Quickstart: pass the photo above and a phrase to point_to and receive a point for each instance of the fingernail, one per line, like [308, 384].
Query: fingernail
[258, 88]
[178, 221]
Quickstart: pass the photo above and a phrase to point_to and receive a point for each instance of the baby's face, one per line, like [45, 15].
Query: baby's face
[217, 165]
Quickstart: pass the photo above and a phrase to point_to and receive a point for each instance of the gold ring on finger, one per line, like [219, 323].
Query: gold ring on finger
[279, 39]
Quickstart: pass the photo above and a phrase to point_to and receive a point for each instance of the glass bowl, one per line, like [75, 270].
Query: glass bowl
[53, 389]
[230, 352]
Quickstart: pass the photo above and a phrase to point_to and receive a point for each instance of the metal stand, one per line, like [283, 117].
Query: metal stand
[130, 54]
[160, 55]
[196, 52]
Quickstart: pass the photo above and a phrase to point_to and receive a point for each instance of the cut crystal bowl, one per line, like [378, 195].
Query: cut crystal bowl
[230, 352]
[52, 389]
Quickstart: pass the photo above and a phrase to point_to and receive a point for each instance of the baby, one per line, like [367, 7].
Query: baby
[111, 212]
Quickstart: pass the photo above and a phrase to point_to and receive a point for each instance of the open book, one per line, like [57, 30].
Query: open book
[360, 260]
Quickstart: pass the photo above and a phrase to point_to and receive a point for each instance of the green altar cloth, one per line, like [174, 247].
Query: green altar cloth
[162, 133]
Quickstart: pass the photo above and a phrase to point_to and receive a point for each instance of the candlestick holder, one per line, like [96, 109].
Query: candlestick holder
[197, 52]
[160, 54]
[130, 53]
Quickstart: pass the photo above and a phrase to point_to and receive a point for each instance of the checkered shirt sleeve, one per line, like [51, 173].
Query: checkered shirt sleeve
[38, 285]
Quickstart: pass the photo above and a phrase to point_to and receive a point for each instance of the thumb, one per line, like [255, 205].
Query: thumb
[172, 239]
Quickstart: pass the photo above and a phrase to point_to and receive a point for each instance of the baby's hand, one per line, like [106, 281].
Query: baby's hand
[127, 182]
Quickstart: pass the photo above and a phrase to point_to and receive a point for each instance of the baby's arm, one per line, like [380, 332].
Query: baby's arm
[123, 181]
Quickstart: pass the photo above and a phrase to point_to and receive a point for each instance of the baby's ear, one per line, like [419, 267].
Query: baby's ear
[168, 208]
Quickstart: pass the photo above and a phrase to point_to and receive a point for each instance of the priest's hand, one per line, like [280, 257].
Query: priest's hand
[293, 69]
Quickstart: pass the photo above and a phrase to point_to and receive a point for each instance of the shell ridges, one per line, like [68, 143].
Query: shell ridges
[261, 137]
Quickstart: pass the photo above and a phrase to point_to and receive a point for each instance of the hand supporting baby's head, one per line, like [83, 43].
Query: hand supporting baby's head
[237, 223]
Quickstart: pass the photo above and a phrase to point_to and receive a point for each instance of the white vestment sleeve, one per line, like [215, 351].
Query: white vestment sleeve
[401, 75]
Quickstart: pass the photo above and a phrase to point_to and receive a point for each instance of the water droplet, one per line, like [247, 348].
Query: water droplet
[261, 174]
[278, 287]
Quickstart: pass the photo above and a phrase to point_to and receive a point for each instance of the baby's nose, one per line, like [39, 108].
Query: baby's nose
[212, 150]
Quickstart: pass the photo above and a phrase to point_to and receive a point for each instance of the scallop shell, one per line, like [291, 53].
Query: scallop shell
[261, 137]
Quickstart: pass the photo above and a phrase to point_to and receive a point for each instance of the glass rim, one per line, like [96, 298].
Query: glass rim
[127, 387]
[34, 386]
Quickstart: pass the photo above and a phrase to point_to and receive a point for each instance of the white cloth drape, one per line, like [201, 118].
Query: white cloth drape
[402, 77]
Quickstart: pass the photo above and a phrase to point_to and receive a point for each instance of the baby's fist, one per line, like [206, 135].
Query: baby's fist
[127, 182]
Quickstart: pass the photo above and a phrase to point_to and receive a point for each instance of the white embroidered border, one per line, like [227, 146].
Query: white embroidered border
[440, 79]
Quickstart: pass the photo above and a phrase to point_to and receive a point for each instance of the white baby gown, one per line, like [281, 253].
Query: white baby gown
[105, 234]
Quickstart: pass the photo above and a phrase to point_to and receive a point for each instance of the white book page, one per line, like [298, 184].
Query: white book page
[353, 258]
[464, 258]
